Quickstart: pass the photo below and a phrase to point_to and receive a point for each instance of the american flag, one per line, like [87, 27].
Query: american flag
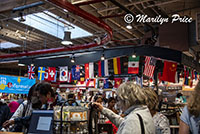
[31, 72]
[150, 64]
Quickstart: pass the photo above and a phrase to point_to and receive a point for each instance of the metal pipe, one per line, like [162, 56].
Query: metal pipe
[77, 11]
[80, 12]
[111, 16]
[88, 2]
[28, 6]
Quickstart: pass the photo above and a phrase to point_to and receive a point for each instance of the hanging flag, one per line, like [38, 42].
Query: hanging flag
[75, 72]
[51, 73]
[46, 74]
[106, 83]
[41, 73]
[133, 65]
[169, 71]
[90, 82]
[31, 72]
[63, 74]
[150, 64]
[55, 77]
[103, 68]
[117, 66]
[118, 82]
[69, 80]
[89, 70]
[96, 83]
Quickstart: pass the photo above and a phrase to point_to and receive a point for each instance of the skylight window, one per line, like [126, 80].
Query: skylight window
[6, 45]
[49, 23]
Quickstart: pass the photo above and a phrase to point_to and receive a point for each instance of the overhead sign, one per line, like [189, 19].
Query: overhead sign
[17, 85]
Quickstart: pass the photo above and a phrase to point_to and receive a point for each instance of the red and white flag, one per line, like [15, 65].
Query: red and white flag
[31, 72]
[46, 75]
[51, 73]
[150, 64]
[89, 70]
[69, 77]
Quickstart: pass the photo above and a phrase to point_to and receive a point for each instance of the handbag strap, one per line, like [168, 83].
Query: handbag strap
[141, 124]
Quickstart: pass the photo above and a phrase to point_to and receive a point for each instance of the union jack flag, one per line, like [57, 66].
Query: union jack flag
[31, 72]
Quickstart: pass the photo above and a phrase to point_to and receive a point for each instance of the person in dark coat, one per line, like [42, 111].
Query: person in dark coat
[4, 113]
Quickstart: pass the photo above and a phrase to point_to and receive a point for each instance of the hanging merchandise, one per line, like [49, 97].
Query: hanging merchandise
[75, 72]
[118, 82]
[169, 71]
[150, 64]
[117, 66]
[186, 75]
[51, 73]
[90, 83]
[195, 75]
[139, 81]
[63, 74]
[103, 68]
[31, 72]
[41, 73]
[133, 65]
[89, 70]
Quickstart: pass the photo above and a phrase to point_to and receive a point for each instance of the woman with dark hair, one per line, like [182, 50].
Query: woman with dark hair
[190, 117]
[22, 114]
[98, 98]
[47, 95]
[111, 104]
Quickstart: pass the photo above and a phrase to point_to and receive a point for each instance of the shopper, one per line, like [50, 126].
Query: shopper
[160, 121]
[111, 104]
[4, 112]
[13, 105]
[21, 116]
[98, 98]
[47, 96]
[190, 117]
[131, 100]
[71, 101]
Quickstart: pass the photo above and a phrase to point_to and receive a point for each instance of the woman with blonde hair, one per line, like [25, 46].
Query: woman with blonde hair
[190, 117]
[160, 121]
[131, 100]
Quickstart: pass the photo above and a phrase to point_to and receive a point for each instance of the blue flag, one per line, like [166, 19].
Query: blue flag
[106, 83]
[75, 72]
[41, 73]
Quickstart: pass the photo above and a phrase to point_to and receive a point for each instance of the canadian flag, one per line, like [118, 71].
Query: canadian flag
[51, 73]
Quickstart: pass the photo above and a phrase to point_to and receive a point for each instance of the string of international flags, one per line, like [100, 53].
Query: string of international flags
[169, 72]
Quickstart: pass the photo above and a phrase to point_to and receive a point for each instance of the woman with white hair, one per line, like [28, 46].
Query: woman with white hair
[190, 117]
[131, 100]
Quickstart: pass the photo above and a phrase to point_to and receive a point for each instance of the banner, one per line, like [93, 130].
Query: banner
[16, 85]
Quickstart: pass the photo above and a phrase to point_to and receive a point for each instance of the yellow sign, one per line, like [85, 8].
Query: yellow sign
[18, 80]
[2, 86]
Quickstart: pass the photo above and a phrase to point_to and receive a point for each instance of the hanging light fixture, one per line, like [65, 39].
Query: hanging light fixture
[67, 38]
[21, 19]
[102, 57]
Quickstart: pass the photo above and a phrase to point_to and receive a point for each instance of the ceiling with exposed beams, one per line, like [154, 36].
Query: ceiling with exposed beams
[30, 39]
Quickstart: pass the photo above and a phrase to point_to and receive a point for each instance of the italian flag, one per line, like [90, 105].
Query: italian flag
[133, 65]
